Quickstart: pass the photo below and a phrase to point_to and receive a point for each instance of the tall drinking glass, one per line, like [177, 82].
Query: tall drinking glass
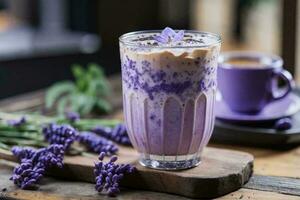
[169, 92]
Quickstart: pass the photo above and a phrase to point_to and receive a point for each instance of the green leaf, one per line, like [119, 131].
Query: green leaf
[78, 71]
[80, 77]
[62, 105]
[104, 88]
[98, 85]
[82, 103]
[88, 107]
[57, 90]
[95, 70]
[87, 93]
[103, 105]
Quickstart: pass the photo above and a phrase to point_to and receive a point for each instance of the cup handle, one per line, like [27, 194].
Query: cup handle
[279, 93]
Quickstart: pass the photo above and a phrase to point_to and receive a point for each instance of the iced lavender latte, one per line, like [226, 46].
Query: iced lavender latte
[169, 89]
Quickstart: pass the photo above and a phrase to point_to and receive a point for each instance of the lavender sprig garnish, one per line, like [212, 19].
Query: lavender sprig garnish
[108, 175]
[26, 175]
[60, 134]
[117, 134]
[34, 163]
[72, 116]
[50, 156]
[97, 143]
[53, 155]
[18, 122]
[168, 35]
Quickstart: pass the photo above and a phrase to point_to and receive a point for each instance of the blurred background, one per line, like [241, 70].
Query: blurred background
[41, 39]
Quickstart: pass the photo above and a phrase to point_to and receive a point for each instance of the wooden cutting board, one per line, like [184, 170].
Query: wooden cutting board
[220, 172]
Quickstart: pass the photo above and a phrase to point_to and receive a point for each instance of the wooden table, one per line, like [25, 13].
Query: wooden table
[276, 172]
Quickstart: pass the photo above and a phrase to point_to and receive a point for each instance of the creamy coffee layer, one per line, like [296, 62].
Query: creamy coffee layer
[246, 63]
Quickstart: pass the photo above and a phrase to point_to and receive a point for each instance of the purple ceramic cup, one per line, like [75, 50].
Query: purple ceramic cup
[249, 88]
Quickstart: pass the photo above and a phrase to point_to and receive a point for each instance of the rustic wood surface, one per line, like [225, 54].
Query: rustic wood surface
[52, 189]
[276, 172]
[268, 162]
[221, 172]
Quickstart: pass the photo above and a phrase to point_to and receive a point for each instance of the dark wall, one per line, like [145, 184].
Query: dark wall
[24, 75]
[106, 18]
[117, 17]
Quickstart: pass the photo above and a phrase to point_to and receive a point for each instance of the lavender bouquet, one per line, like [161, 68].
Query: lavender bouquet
[53, 137]
[34, 163]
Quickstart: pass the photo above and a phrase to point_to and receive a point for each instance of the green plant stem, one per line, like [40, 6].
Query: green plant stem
[30, 134]
[28, 128]
[4, 146]
[24, 135]
[87, 124]
[22, 142]
[87, 154]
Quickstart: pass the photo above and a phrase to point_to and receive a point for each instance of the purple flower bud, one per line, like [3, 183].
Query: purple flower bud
[60, 134]
[113, 159]
[97, 144]
[108, 175]
[101, 156]
[72, 116]
[117, 134]
[107, 179]
[17, 123]
[21, 152]
[115, 178]
[99, 187]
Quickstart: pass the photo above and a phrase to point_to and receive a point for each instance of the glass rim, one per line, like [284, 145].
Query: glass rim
[122, 39]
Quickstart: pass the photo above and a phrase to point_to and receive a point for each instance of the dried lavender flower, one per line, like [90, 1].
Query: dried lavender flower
[97, 143]
[26, 175]
[34, 163]
[168, 35]
[72, 116]
[117, 134]
[23, 152]
[51, 156]
[60, 134]
[102, 130]
[18, 122]
[108, 175]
